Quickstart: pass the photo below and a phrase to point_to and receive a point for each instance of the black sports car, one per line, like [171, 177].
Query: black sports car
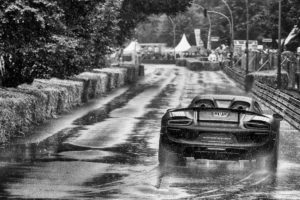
[220, 127]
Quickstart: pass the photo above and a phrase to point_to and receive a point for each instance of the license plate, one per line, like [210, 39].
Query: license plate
[221, 114]
[217, 116]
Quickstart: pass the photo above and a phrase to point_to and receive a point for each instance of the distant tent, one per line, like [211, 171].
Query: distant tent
[132, 47]
[183, 45]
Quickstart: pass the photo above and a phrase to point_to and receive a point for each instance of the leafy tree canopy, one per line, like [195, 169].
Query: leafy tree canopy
[263, 20]
[56, 38]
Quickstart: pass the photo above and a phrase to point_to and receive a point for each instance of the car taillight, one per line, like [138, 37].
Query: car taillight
[257, 125]
[180, 122]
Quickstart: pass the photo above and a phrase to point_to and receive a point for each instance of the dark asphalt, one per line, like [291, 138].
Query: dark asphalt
[108, 150]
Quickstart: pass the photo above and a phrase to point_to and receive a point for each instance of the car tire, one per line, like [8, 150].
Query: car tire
[167, 157]
[270, 162]
[260, 162]
[272, 159]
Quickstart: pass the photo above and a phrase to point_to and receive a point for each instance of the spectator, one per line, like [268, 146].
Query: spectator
[212, 57]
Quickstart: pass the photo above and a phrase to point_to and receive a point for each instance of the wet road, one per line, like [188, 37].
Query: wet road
[108, 149]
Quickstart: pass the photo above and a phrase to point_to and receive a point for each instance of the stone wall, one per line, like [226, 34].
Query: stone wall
[27, 105]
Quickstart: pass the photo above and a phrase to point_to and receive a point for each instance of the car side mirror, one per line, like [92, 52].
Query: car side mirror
[278, 117]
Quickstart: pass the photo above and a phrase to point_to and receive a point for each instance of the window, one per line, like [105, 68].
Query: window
[204, 104]
[240, 105]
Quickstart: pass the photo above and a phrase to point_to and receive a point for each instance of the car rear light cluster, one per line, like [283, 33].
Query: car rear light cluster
[183, 133]
[257, 125]
[181, 122]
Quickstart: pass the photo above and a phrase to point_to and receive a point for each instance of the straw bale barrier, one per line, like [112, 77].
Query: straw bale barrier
[98, 83]
[41, 99]
[29, 104]
[65, 93]
[157, 61]
[181, 62]
[51, 104]
[132, 72]
[17, 113]
[116, 76]
[196, 65]
[75, 88]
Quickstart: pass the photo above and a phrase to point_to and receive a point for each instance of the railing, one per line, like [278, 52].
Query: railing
[279, 101]
[261, 61]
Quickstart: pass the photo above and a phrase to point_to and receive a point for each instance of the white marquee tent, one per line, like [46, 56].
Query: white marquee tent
[183, 45]
[134, 46]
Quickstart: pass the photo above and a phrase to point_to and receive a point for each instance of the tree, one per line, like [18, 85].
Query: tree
[135, 11]
[25, 28]
[55, 38]
[104, 22]
[159, 28]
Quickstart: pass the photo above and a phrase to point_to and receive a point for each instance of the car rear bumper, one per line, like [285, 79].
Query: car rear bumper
[217, 151]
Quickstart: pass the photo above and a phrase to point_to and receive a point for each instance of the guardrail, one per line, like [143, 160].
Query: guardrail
[277, 100]
[280, 102]
[261, 61]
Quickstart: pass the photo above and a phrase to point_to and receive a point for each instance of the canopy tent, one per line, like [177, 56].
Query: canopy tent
[183, 45]
[134, 46]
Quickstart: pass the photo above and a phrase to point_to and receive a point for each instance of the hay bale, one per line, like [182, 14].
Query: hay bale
[8, 123]
[17, 113]
[74, 90]
[180, 62]
[87, 87]
[53, 97]
[75, 87]
[40, 114]
[98, 85]
[69, 93]
[132, 72]
[117, 76]
[58, 96]
[197, 65]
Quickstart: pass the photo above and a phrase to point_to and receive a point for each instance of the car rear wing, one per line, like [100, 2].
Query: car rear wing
[224, 115]
[240, 111]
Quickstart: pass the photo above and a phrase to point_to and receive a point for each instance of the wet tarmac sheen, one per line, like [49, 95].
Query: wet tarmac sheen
[108, 150]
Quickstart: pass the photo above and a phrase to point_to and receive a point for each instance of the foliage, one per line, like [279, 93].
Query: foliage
[55, 38]
[135, 11]
[160, 29]
[263, 21]
[25, 27]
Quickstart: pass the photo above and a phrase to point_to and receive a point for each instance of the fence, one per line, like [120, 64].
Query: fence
[279, 101]
[261, 61]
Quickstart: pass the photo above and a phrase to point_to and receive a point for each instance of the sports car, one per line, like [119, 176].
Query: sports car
[220, 127]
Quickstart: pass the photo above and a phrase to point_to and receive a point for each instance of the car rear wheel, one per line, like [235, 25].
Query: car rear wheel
[272, 159]
[270, 162]
[165, 156]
